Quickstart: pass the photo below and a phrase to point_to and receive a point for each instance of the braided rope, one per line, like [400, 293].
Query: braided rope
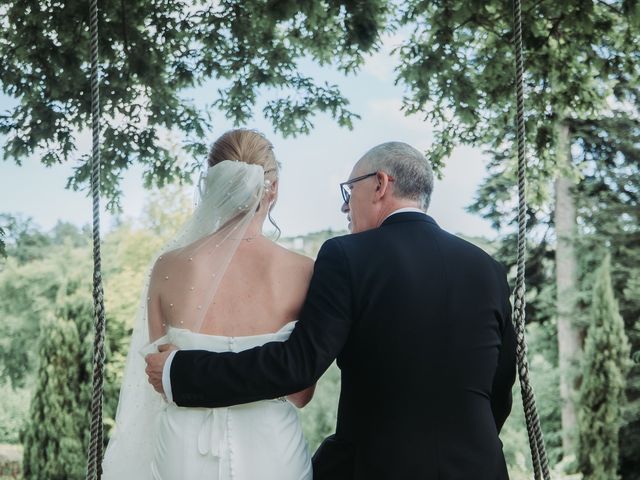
[536, 442]
[94, 465]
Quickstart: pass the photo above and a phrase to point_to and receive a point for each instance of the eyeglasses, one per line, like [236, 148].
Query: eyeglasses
[345, 187]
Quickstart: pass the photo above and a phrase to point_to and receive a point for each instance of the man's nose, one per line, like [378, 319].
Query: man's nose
[345, 207]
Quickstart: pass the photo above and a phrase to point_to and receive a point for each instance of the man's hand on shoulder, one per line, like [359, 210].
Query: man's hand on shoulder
[155, 365]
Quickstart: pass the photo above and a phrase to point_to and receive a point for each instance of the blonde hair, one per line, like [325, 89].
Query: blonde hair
[249, 146]
[244, 145]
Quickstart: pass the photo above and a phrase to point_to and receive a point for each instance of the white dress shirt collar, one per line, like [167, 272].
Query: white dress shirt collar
[403, 210]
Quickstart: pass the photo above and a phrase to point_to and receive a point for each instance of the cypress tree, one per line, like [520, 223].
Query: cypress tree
[55, 437]
[606, 362]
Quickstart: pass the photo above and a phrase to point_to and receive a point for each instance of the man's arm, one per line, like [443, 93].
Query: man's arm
[505, 375]
[205, 379]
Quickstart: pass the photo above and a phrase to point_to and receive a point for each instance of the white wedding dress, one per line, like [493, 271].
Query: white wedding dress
[154, 440]
[255, 441]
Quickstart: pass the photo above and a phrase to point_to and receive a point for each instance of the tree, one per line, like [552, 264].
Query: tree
[23, 240]
[581, 59]
[606, 357]
[34, 282]
[3, 247]
[608, 207]
[57, 433]
[51, 279]
[607, 151]
[151, 54]
[54, 441]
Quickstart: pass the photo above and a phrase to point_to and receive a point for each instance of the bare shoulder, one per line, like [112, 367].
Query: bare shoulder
[292, 275]
[162, 265]
[158, 266]
[293, 261]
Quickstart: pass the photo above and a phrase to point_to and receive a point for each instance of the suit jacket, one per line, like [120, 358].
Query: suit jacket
[420, 323]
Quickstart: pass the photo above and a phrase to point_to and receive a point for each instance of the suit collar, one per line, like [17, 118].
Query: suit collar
[408, 217]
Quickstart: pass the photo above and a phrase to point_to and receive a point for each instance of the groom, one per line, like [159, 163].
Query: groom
[419, 321]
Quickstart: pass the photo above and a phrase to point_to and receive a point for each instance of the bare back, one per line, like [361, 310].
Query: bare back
[263, 288]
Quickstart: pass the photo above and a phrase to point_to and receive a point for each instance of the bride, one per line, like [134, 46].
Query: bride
[220, 285]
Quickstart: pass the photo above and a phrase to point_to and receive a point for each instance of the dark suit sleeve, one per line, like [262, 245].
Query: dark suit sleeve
[205, 379]
[504, 378]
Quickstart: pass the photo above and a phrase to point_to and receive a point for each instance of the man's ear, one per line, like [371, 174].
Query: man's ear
[383, 184]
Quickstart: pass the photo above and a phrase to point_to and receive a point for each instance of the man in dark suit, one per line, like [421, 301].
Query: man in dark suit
[419, 321]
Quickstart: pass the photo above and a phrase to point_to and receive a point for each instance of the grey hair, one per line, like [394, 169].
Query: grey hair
[412, 172]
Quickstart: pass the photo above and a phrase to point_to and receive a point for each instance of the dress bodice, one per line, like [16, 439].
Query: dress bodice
[187, 340]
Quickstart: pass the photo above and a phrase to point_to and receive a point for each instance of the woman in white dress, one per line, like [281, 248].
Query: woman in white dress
[220, 286]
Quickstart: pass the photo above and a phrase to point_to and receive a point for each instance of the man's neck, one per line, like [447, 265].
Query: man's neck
[391, 209]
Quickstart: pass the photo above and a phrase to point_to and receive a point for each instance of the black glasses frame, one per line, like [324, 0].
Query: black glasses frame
[344, 186]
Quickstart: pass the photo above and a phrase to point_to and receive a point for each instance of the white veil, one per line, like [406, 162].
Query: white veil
[180, 288]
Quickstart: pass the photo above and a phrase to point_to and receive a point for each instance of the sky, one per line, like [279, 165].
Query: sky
[313, 165]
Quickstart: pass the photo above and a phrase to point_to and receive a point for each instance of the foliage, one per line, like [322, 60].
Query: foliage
[56, 438]
[608, 201]
[581, 67]
[581, 63]
[3, 247]
[151, 54]
[606, 356]
[24, 241]
[39, 285]
[318, 418]
[607, 151]
[28, 294]
[544, 373]
[310, 243]
[10, 461]
[458, 66]
[57, 434]
[13, 412]
[48, 275]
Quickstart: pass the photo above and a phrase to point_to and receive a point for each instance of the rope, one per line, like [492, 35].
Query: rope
[94, 465]
[536, 442]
